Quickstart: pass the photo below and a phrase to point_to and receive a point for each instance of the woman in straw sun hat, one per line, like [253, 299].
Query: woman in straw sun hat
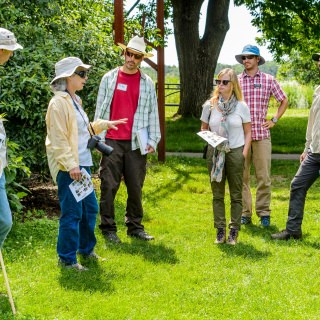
[68, 133]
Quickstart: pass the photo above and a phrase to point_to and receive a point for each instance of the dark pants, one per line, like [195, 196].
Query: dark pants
[233, 172]
[307, 174]
[131, 165]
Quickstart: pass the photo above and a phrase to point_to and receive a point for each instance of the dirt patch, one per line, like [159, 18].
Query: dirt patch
[43, 196]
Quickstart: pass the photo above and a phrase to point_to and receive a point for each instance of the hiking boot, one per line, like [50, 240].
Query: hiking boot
[221, 236]
[93, 256]
[246, 220]
[285, 235]
[77, 266]
[265, 221]
[111, 236]
[233, 236]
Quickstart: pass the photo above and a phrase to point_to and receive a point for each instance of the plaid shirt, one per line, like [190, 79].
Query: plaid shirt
[146, 115]
[257, 91]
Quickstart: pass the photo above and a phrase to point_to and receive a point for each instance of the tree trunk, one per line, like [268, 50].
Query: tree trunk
[198, 57]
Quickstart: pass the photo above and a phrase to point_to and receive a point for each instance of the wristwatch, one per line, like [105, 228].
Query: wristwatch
[274, 120]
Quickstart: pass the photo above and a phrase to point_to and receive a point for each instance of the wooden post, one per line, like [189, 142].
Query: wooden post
[161, 98]
[118, 25]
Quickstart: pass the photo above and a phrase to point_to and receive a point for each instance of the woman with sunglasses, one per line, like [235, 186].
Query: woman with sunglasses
[68, 132]
[227, 115]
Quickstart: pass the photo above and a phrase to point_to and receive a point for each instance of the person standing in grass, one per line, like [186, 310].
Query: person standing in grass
[127, 92]
[257, 88]
[307, 173]
[68, 132]
[228, 115]
[8, 44]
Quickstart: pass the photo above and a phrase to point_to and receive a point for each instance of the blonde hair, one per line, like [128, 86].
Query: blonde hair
[235, 86]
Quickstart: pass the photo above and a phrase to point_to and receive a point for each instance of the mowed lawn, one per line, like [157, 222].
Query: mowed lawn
[180, 275]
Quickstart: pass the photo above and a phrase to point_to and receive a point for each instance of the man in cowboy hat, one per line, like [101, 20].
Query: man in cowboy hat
[127, 92]
[257, 88]
[308, 171]
[8, 44]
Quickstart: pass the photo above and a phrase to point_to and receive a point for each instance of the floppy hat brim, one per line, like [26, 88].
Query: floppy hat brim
[70, 73]
[239, 58]
[12, 47]
[145, 54]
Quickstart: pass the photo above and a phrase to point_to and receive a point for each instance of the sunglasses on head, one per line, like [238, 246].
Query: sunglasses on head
[136, 56]
[224, 82]
[247, 57]
[82, 74]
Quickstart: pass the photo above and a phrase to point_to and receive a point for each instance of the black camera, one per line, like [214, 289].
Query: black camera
[94, 142]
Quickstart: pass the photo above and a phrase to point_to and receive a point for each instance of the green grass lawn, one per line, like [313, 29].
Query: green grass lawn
[288, 136]
[180, 275]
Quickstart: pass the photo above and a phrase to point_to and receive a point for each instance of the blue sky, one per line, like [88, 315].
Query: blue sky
[241, 32]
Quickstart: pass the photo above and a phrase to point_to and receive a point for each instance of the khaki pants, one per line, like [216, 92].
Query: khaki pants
[260, 155]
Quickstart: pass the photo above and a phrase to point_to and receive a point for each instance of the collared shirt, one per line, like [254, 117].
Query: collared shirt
[146, 115]
[62, 134]
[257, 91]
[313, 128]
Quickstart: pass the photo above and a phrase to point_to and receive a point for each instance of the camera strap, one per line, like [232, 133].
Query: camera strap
[77, 107]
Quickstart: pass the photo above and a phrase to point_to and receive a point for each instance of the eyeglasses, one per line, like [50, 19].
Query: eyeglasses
[82, 74]
[247, 57]
[136, 56]
[224, 82]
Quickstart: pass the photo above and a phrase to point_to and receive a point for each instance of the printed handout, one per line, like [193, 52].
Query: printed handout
[211, 137]
[81, 189]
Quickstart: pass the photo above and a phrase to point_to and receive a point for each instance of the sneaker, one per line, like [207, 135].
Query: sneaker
[285, 235]
[77, 266]
[111, 237]
[265, 221]
[246, 220]
[221, 236]
[93, 256]
[233, 236]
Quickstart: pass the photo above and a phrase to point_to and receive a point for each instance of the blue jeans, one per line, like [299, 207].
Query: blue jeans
[77, 221]
[306, 175]
[5, 212]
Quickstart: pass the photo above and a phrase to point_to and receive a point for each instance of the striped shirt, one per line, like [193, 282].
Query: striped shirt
[257, 91]
[146, 115]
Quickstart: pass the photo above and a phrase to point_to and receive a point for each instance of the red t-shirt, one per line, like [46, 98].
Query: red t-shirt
[124, 104]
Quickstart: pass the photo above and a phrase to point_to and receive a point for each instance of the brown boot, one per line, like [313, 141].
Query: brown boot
[221, 236]
[233, 236]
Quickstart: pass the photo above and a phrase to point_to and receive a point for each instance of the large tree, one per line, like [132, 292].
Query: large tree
[198, 56]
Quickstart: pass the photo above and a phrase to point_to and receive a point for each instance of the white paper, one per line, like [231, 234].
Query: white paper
[211, 137]
[81, 189]
[2, 139]
[142, 136]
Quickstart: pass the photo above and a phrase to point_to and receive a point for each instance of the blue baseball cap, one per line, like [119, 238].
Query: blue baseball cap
[250, 50]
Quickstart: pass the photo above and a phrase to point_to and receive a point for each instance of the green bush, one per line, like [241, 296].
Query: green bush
[50, 31]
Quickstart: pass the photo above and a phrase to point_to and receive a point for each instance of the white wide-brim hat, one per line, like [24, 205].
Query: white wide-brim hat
[67, 66]
[8, 41]
[138, 45]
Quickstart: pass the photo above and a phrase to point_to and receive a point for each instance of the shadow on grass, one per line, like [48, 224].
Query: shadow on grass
[95, 279]
[156, 253]
[259, 231]
[5, 308]
[244, 250]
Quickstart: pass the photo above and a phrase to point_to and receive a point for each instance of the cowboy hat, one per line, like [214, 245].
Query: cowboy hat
[138, 45]
[67, 66]
[250, 50]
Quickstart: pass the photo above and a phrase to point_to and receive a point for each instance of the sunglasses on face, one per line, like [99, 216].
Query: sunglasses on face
[224, 82]
[136, 56]
[82, 74]
[247, 57]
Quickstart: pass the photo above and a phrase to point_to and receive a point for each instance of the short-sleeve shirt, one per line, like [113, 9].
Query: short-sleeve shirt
[257, 91]
[234, 122]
